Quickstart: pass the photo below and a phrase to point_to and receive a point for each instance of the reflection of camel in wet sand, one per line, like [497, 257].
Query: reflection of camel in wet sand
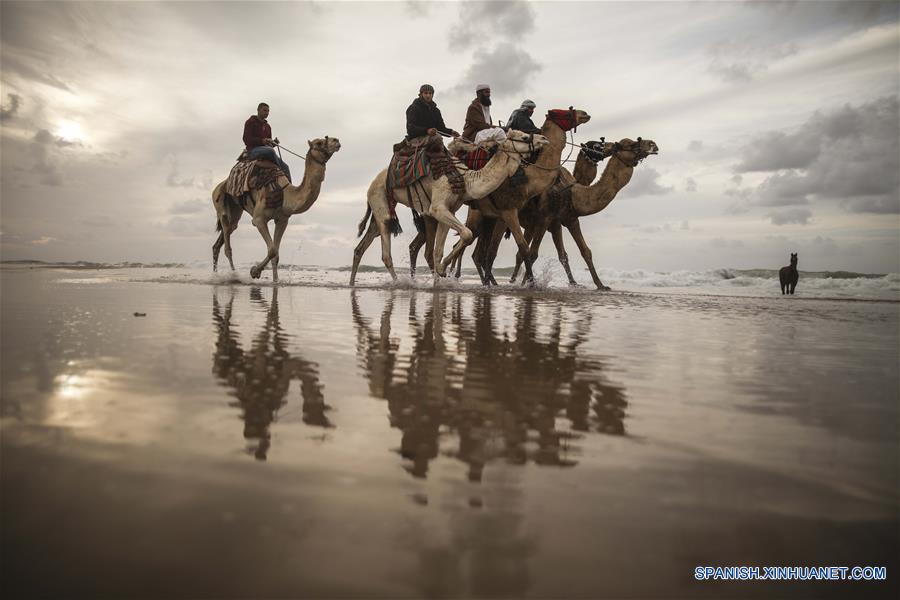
[497, 393]
[260, 378]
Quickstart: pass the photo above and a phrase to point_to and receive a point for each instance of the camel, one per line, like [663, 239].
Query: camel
[504, 204]
[478, 184]
[570, 200]
[585, 171]
[297, 199]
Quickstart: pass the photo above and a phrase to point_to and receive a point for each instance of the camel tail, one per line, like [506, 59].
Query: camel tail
[418, 221]
[394, 226]
[365, 219]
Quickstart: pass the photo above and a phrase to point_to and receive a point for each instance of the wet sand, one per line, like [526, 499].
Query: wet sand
[246, 441]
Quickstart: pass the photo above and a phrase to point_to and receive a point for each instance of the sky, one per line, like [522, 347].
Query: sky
[777, 122]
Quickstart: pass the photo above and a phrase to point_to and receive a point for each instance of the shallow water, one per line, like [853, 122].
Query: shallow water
[312, 440]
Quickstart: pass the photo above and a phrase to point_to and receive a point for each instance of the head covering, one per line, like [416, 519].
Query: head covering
[426, 88]
[528, 104]
[481, 86]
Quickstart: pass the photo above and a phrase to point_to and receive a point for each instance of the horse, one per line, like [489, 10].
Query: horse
[789, 276]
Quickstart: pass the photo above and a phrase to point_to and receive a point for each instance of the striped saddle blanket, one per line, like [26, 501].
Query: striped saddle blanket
[249, 175]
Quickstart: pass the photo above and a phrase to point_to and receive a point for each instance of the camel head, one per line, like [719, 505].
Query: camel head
[322, 149]
[632, 152]
[596, 151]
[523, 143]
[569, 118]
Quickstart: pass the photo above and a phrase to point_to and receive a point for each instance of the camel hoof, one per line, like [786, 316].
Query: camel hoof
[604, 288]
[255, 272]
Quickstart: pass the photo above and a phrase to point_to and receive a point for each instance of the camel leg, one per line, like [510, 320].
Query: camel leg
[537, 235]
[280, 227]
[556, 232]
[575, 230]
[217, 246]
[457, 263]
[446, 218]
[414, 247]
[430, 232]
[362, 246]
[439, 238]
[257, 269]
[511, 219]
[529, 235]
[492, 239]
[385, 233]
[227, 230]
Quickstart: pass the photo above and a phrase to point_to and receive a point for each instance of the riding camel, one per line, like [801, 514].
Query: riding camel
[297, 199]
[477, 183]
[572, 198]
[505, 203]
[585, 171]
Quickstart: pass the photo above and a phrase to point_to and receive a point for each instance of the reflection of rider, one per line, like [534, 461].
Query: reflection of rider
[258, 139]
[492, 390]
[261, 378]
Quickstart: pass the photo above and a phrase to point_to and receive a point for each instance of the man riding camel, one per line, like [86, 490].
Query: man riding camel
[423, 117]
[258, 139]
[479, 126]
[521, 118]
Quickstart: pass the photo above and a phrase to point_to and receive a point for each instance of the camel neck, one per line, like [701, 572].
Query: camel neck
[587, 200]
[299, 199]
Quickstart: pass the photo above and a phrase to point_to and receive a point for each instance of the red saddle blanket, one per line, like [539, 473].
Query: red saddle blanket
[477, 158]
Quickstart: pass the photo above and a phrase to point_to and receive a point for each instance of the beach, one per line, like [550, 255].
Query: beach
[170, 433]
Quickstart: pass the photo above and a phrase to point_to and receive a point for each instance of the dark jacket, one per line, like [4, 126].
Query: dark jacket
[475, 120]
[255, 129]
[523, 123]
[422, 116]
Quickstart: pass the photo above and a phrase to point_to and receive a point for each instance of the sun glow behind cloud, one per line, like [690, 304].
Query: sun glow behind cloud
[70, 131]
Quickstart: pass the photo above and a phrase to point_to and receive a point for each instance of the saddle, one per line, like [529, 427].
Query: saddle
[414, 159]
[248, 175]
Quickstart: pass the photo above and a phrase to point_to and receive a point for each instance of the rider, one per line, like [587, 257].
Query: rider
[258, 139]
[479, 126]
[521, 118]
[423, 117]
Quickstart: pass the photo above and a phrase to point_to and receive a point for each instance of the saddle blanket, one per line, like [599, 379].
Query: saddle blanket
[246, 176]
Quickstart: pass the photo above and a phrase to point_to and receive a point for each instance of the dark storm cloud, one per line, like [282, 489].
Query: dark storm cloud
[506, 69]
[690, 185]
[849, 155]
[785, 216]
[10, 111]
[417, 8]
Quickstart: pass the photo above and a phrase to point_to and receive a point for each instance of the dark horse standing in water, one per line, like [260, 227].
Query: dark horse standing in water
[789, 276]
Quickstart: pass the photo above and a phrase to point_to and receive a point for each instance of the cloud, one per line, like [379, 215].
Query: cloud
[175, 179]
[491, 20]
[848, 155]
[741, 59]
[417, 8]
[645, 182]
[690, 185]
[42, 241]
[10, 112]
[506, 69]
[695, 146]
[800, 216]
[189, 207]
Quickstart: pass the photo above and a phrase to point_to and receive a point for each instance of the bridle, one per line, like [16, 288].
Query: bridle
[639, 153]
